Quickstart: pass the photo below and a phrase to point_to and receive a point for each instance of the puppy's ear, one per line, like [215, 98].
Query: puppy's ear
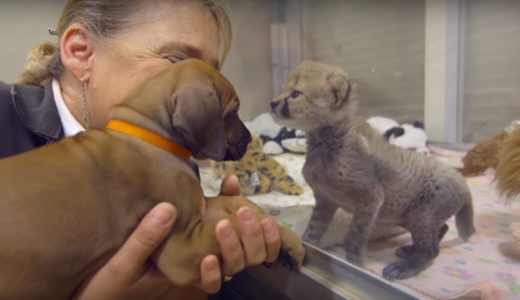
[340, 88]
[198, 117]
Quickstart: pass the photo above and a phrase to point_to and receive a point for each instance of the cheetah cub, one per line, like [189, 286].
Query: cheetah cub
[349, 165]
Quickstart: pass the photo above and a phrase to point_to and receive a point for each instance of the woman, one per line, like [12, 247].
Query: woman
[106, 49]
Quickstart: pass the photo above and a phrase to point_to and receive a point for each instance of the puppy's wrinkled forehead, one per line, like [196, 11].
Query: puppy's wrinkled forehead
[229, 101]
[230, 106]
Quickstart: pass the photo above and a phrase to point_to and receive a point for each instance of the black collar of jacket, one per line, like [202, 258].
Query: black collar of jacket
[37, 109]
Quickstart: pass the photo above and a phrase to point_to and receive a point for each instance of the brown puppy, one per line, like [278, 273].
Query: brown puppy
[67, 207]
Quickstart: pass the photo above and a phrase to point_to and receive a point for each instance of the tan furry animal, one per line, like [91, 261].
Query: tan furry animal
[483, 155]
[508, 181]
[350, 165]
[258, 173]
[508, 168]
[512, 248]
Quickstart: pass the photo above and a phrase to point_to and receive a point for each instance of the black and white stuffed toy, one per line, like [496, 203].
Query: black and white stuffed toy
[277, 139]
[382, 124]
[408, 136]
[287, 140]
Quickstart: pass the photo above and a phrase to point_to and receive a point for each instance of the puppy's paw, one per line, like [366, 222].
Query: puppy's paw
[286, 260]
[292, 252]
[311, 236]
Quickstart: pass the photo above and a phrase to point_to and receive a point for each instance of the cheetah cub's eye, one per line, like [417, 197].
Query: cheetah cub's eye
[295, 94]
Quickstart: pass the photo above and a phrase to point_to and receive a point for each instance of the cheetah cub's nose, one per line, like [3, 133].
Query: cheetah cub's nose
[273, 104]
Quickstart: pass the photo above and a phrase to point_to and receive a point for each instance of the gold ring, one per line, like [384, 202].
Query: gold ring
[227, 278]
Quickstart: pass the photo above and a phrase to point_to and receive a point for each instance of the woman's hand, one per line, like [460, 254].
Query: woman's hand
[129, 274]
[260, 241]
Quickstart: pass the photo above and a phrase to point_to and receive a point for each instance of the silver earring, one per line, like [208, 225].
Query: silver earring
[86, 117]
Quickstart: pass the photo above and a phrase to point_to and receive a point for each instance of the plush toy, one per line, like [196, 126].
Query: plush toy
[263, 124]
[508, 181]
[512, 248]
[485, 154]
[382, 124]
[287, 140]
[258, 173]
[508, 168]
[277, 139]
[407, 136]
[410, 137]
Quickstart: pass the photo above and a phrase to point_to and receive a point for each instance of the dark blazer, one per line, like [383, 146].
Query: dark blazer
[28, 118]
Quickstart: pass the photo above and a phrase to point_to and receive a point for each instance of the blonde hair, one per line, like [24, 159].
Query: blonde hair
[104, 19]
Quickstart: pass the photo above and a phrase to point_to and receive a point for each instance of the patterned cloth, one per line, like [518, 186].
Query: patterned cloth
[475, 269]
[472, 270]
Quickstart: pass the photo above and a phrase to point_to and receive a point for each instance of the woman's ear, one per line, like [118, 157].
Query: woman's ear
[77, 50]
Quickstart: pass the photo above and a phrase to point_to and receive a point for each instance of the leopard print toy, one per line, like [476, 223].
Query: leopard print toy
[258, 173]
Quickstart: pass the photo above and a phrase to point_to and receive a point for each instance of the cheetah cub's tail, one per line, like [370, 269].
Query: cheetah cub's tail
[464, 220]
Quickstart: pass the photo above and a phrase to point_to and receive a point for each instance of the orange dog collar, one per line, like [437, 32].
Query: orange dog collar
[149, 137]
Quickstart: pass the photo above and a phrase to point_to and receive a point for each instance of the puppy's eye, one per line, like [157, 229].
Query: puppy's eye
[295, 94]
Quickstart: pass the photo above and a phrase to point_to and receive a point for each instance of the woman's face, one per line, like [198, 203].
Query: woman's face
[165, 34]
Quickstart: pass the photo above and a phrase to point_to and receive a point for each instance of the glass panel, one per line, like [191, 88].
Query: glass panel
[380, 44]
[491, 67]
[383, 46]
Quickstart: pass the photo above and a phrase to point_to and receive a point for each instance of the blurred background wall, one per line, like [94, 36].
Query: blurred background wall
[380, 43]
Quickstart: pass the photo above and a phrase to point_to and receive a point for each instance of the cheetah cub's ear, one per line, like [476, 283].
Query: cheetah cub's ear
[340, 87]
